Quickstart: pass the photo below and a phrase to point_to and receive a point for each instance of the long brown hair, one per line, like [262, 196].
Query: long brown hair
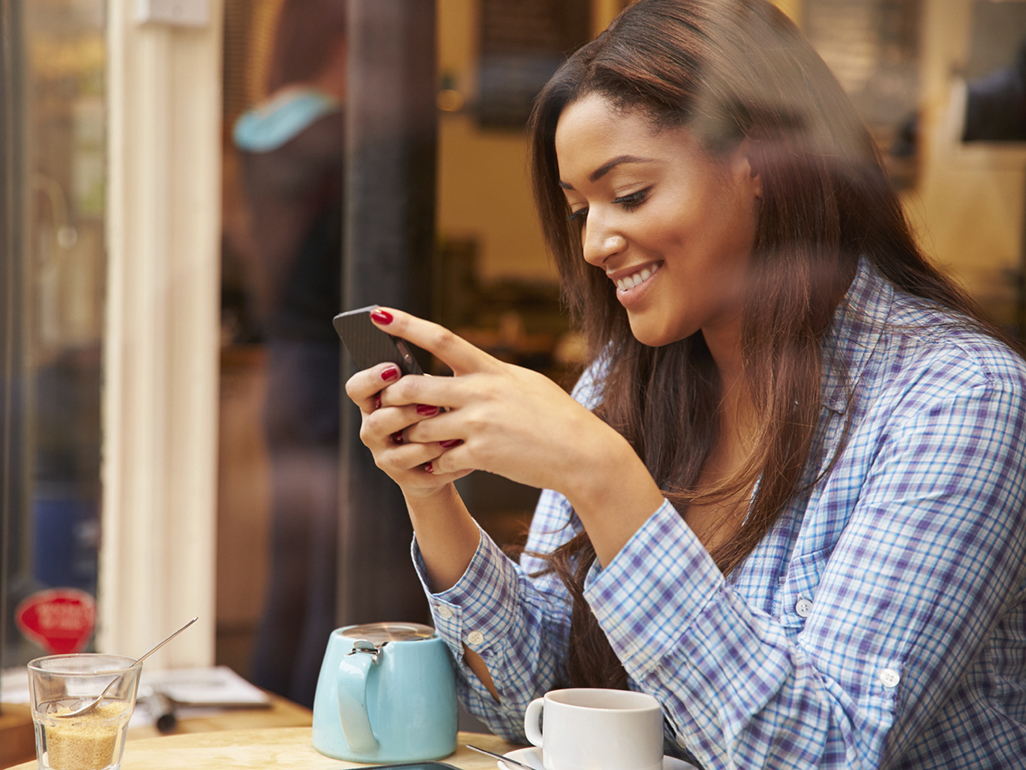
[727, 70]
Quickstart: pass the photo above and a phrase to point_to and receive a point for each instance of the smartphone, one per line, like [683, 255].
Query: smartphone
[369, 346]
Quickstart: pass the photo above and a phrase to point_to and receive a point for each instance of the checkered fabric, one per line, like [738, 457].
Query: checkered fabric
[880, 623]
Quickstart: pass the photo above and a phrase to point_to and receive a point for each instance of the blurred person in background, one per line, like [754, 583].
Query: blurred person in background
[291, 149]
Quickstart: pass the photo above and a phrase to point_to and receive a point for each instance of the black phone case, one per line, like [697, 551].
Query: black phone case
[369, 346]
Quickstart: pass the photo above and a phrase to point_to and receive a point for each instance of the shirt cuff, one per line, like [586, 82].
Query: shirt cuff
[466, 613]
[653, 590]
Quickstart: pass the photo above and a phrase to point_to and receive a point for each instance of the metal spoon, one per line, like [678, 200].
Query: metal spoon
[501, 758]
[93, 704]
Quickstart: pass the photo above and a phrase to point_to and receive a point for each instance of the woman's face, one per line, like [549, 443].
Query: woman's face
[672, 227]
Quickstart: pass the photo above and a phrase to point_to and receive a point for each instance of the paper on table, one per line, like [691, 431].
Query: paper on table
[218, 687]
[193, 691]
[14, 685]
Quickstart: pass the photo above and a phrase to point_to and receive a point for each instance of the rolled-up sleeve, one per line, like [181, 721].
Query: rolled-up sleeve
[514, 618]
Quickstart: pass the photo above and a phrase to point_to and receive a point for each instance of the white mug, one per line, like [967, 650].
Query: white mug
[597, 729]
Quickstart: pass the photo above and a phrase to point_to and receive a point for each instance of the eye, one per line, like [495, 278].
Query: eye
[633, 200]
[577, 216]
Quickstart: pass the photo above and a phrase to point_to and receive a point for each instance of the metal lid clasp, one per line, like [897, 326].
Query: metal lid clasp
[368, 648]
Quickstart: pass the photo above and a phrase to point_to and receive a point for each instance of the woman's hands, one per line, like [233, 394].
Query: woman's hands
[426, 432]
[383, 431]
[492, 416]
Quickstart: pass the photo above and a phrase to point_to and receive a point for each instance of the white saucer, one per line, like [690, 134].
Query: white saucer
[532, 756]
[529, 756]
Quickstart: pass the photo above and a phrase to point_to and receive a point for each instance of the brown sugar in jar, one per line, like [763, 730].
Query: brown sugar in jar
[87, 742]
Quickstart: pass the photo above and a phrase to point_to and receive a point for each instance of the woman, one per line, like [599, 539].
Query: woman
[786, 498]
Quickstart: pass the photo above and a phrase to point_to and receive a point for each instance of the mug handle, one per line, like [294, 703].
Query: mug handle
[534, 709]
[352, 702]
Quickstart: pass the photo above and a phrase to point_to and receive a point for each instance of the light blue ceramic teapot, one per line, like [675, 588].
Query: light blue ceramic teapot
[386, 693]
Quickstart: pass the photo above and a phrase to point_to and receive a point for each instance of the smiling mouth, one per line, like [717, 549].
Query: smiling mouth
[636, 279]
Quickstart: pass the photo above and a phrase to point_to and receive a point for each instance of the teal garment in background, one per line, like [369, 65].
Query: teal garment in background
[267, 127]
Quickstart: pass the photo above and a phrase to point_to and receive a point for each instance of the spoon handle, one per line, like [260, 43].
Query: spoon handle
[176, 633]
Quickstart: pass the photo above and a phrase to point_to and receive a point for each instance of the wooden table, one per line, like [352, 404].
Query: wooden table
[281, 713]
[18, 739]
[289, 748]
[17, 736]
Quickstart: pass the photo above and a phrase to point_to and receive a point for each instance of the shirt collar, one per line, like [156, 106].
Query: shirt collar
[853, 334]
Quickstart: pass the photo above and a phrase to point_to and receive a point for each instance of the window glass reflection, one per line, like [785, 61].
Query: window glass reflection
[55, 532]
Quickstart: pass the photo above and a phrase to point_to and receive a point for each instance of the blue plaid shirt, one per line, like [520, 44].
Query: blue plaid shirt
[880, 623]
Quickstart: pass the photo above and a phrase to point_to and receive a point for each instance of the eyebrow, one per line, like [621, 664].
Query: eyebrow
[605, 168]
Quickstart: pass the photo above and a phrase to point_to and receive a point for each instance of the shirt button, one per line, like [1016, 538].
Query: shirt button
[803, 607]
[889, 678]
[475, 637]
[444, 612]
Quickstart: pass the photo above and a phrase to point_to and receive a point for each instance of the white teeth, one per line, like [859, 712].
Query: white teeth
[624, 284]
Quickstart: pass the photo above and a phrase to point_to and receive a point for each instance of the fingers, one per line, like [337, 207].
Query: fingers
[396, 390]
[391, 406]
[365, 387]
[411, 439]
[443, 429]
[449, 463]
[396, 409]
[404, 461]
[384, 385]
[451, 349]
[414, 466]
[390, 425]
[388, 415]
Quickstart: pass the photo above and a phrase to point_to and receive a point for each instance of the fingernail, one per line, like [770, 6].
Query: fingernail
[391, 373]
[397, 438]
[429, 468]
[427, 410]
[377, 400]
[382, 317]
[451, 443]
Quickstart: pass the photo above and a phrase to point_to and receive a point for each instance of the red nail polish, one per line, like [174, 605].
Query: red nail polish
[382, 317]
[429, 468]
[427, 410]
[451, 443]
[397, 438]
[377, 400]
[391, 373]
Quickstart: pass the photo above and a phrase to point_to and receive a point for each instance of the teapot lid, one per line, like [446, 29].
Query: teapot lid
[379, 633]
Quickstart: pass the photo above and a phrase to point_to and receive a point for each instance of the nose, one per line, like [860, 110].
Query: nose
[600, 243]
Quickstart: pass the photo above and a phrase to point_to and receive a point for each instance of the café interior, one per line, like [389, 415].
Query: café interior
[140, 451]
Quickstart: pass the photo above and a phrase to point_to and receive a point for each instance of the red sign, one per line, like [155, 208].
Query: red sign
[60, 620]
